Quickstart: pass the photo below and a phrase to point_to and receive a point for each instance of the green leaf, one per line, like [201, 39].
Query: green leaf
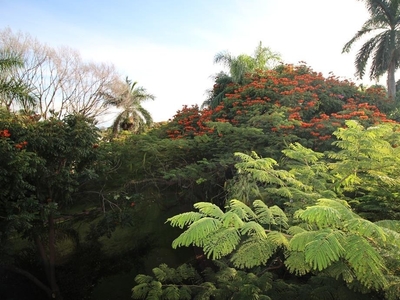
[209, 209]
[221, 243]
[143, 278]
[264, 214]
[197, 232]
[231, 219]
[171, 293]
[325, 249]
[366, 228]
[366, 262]
[278, 238]
[242, 210]
[322, 216]
[253, 229]
[253, 252]
[184, 219]
[296, 263]
[301, 240]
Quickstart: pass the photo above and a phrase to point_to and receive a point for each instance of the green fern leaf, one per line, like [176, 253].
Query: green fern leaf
[197, 232]
[340, 205]
[221, 243]
[242, 210]
[279, 216]
[140, 291]
[185, 293]
[264, 214]
[322, 216]
[160, 274]
[325, 249]
[230, 219]
[253, 229]
[209, 209]
[301, 240]
[253, 252]
[390, 224]
[366, 228]
[184, 219]
[366, 262]
[339, 270]
[143, 279]
[278, 238]
[171, 293]
[295, 230]
[155, 291]
[296, 263]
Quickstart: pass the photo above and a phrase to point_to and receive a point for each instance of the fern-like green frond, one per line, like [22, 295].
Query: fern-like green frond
[340, 205]
[209, 209]
[366, 262]
[278, 238]
[325, 249]
[292, 230]
[184, 219]
[280, 217]
[185, 293]
[390, 224]
[322, 216]
[366, 228]
[143, 279]
[253, 229]
[140, 291]
[197, 232]
[242, 210]
[231, 219]
[253, 252]
[221, 243]
[160, 274]
[301, 240]
[296, 263]
[264, 214]
[171, 293]
[340, 269]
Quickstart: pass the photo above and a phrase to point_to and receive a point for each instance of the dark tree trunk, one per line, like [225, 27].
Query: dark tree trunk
[391, 82]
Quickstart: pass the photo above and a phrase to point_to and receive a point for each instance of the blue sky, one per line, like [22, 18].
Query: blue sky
[168, 46]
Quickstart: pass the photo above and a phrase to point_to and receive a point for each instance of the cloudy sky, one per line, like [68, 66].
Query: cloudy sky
[168, 46]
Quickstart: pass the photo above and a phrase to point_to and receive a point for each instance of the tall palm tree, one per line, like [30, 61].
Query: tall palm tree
[133, 116]
[384, 47]
[12, 89]
[263, 58]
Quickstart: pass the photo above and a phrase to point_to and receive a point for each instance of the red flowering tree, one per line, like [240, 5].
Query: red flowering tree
[290, 103]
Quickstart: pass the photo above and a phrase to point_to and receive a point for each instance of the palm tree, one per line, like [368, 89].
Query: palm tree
[133, 116]
[262, 59]
[12, 89]
[384, 47]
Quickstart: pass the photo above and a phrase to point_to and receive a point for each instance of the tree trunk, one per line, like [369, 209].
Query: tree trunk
[52, 260]
[391, 82]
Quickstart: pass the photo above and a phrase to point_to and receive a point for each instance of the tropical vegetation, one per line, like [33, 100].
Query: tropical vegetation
[282, 185]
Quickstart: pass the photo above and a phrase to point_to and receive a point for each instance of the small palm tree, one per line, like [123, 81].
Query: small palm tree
[384, 47]
[263, 58]
[133, 116]
[12, 89]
